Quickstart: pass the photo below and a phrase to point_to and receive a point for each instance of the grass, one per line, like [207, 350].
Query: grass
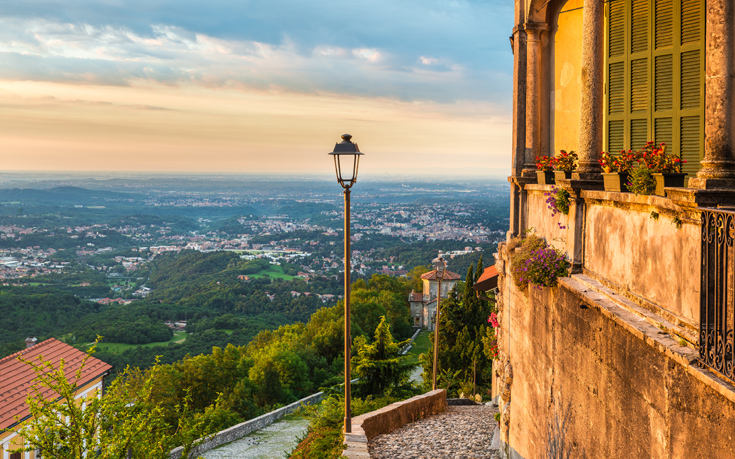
[117, 348]
[273, 271]
[420, 346]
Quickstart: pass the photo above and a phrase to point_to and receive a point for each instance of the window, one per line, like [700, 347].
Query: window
[15, 456]
[654, 76]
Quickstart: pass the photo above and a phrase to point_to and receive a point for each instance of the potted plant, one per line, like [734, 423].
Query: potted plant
[616, 169]
[545, 170]
[665, 168]
[564, 164]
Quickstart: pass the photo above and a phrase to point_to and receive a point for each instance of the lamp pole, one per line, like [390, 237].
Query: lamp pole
[347, 156]
[348, 334]
[439, 265]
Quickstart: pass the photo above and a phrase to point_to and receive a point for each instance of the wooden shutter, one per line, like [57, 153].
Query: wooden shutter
[655, 76]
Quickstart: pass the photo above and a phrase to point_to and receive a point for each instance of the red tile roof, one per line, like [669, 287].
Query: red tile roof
[488, 280]
[17, 377]
[448, 275]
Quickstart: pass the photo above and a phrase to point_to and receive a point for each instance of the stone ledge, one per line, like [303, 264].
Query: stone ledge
[650, 334]
[240, 430]
[389, 418]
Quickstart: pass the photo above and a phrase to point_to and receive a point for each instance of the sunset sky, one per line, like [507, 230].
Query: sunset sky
[424, 86]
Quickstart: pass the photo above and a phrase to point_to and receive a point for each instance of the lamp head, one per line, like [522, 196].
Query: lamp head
[440, 265]
[346, 161]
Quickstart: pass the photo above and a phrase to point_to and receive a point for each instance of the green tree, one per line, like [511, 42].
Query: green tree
[120, 424]
[380, 366]
[463, 336]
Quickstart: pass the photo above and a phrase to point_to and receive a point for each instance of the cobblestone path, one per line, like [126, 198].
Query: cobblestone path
[461, 432]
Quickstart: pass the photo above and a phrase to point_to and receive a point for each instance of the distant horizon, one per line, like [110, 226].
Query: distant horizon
[157, 85]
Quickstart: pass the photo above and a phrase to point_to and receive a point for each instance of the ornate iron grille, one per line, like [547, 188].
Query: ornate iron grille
[717, 308]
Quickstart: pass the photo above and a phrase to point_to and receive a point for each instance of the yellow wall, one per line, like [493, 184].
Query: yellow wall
[566, 65]
[16, 440]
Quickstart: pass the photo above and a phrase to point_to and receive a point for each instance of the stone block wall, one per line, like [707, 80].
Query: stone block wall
[590, 377]
[389, 418]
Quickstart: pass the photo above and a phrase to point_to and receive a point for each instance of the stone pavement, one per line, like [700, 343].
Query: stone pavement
[461, 432]
[271, 442]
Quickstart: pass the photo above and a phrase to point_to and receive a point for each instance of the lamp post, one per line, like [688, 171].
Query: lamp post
[440, 266]
[347, 157]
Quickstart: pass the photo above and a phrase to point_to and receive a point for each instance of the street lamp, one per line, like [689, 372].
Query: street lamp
[440, 266]
[346, 161]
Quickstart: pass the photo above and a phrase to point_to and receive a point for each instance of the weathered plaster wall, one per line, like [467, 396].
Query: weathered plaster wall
[540, 219]
[651, 259]
[582, 379]
[565, 67]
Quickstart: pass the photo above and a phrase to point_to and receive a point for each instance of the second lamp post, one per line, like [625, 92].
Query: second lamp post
[440, 267]
[346, 161]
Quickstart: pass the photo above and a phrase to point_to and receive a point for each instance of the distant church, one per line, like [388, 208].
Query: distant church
[423, 304]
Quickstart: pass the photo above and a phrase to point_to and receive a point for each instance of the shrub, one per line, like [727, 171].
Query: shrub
[641, 181]
[538, 264]
[557, 201]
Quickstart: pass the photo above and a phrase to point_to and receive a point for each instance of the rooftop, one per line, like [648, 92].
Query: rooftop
[17, 378]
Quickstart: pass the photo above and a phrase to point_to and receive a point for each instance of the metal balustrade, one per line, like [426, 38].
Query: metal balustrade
[717, 305]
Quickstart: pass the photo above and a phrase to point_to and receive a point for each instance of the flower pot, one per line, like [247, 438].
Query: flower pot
[545, 177]
[616, 181]
[562, 175]
[667, 179]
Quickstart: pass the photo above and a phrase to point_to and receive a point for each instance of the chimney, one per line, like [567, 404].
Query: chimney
[30, 342]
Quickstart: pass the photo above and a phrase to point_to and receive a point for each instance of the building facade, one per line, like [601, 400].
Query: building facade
[632, 355]
[423, 304]
[17, 379]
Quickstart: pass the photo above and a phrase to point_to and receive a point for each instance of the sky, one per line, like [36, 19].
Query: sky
[255, 86]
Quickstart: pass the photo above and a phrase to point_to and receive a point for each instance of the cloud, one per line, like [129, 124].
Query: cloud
[434, 50]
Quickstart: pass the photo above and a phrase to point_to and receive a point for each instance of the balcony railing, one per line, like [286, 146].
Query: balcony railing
[717, 308]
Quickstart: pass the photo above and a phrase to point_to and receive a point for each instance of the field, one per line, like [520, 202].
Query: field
[273, 271]
[420, 346]
[117, 348]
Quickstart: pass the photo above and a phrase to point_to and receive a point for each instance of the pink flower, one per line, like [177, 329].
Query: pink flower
[493, 320]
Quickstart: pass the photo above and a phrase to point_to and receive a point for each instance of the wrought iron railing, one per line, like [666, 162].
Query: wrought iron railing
[717, 305]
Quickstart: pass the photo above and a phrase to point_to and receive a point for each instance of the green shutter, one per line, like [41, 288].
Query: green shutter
[691, 21]
[617, 28]
[616, 136]
[664, 132]
[664, 21]
[691, 144]
[639, 26]
[638, 133]
[691, 79]
[639, 85]
[655, 76]
[664, 81]
[616, 88]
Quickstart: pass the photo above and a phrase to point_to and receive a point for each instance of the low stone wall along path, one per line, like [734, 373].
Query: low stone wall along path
[461, 432]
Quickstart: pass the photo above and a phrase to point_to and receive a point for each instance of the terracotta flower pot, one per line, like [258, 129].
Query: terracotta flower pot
[562, 175]
[545, 177]
[667, 179]
[616, 181]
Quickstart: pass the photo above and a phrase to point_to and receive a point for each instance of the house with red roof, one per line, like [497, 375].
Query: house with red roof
[17, 379]
[423, 304]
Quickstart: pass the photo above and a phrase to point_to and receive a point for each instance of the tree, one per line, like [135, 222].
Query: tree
[120, 424]
[380, 366]
[463, 337]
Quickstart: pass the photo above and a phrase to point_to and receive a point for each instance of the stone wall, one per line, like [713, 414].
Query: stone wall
[646, 248]
[240, 430]
[588, 373]
[389, 418]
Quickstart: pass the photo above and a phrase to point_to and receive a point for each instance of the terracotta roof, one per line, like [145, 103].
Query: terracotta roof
[413, 296]
[17, 377]
[488, 280]
[448, 275]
